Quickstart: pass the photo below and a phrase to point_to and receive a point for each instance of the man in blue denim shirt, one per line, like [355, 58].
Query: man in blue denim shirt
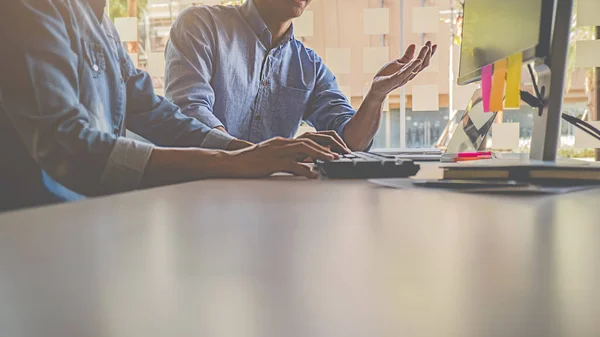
[68, 91]
[240, 70]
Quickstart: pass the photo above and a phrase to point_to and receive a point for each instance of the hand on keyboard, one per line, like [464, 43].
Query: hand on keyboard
[329, 139]
[277, 155]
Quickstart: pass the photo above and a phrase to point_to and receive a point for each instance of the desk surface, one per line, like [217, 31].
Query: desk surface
[302, 258]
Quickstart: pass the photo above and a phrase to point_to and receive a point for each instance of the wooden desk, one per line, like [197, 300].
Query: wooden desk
[302, 258]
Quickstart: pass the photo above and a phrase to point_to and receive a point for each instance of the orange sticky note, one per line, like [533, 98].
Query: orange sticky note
[513, 82]
[499, 78]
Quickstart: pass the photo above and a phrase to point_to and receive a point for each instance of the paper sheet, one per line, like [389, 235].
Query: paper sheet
[486, 86]
[505, 136]
[339, 60]
[425, 20]
[587, 12]
[513, 82]
[305, 24]
[425, 98]
[585, 141]
[127, 29]
[376, 21]
[498, 84]
[374, 58]
[587, 53]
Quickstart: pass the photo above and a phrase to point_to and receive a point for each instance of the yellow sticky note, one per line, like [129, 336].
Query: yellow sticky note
[513, 82]
[497, 95]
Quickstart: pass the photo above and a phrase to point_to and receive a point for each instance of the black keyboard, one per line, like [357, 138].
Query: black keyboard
[364, 165]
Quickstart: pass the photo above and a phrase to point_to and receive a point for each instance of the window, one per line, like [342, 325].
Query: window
[356, 38]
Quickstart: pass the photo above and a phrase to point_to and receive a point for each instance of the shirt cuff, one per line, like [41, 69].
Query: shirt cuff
[126, 165]
[217, 140]
[340, 129]
[204, 116]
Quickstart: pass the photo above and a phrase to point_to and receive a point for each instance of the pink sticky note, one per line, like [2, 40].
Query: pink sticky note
[486, 86]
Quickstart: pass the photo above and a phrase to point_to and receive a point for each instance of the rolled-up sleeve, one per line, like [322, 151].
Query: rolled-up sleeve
[40, 94]
[189, 66]
[330, 109]
[126, 165]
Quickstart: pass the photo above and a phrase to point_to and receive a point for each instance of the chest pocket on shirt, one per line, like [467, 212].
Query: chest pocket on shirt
[291, 106]
[95, 58]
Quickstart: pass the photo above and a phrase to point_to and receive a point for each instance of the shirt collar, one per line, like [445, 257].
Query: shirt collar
[250, 13]
[98, 6]
[289, 35]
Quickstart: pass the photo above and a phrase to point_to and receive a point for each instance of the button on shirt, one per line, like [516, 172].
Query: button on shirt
[67, 97]
[224, 69]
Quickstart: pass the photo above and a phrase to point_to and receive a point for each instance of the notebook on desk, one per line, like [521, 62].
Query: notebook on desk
[562, 172]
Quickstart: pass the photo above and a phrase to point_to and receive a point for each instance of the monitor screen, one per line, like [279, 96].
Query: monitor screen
[496, 29]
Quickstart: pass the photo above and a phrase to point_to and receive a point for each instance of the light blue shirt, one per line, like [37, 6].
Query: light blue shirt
[224, 69]
[68, 91]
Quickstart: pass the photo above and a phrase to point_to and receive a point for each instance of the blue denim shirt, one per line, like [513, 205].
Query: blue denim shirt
[68, 91]
[224, 69]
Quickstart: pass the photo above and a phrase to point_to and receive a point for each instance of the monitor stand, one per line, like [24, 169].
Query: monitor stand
[551, 82]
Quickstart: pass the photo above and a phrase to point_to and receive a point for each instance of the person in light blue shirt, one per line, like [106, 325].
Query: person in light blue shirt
[68, 92]
[239, 69]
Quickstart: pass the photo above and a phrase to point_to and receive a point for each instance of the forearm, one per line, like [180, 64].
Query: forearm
[177, 165]
[362, 127]
[238, 144]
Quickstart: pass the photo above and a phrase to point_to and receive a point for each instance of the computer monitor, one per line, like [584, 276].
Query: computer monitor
[493, 30]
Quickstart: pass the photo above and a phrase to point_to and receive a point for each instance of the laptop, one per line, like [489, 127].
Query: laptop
[466, 132]
[429, 154]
